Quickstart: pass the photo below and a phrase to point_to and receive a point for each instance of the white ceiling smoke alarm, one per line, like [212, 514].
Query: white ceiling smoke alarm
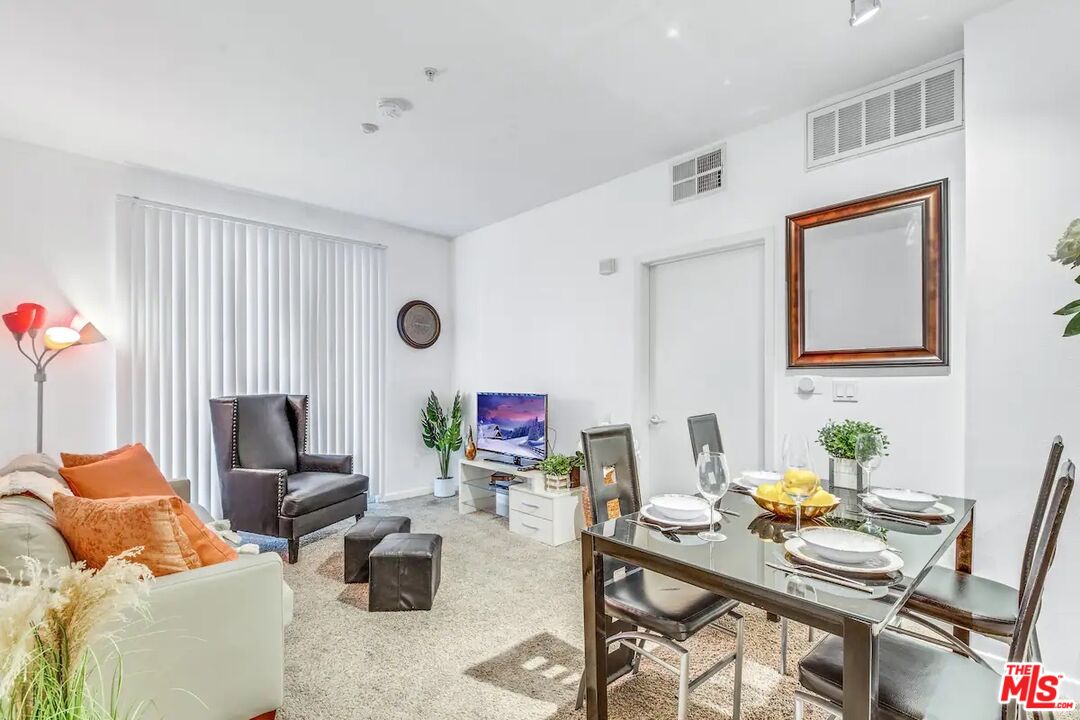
[391, 108]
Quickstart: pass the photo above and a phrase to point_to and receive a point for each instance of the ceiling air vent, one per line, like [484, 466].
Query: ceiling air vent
[698, 175]
[919, 105]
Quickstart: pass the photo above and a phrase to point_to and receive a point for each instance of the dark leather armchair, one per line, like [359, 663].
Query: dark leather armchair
[270, 484]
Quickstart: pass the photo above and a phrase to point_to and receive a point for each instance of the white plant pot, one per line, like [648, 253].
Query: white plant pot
[845, 473]
[445, 487]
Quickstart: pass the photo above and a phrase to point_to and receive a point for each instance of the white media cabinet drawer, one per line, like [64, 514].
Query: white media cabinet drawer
[551, 518]
[531, 504]
[533, 527]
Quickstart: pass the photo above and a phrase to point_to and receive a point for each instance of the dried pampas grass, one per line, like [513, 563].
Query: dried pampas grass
[49, 618]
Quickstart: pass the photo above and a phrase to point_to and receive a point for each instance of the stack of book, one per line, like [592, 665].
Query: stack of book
[501, 482]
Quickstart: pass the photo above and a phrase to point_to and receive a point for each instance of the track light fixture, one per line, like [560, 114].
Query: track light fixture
[863, 10]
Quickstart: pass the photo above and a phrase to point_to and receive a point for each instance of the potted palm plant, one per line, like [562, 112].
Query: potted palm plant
[441, 431]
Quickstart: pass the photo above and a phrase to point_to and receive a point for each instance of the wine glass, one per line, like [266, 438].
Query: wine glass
[869, 450]
[799, 481]
[714, 477]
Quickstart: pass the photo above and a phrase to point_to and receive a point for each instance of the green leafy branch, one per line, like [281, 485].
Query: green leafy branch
[838, 438]
[1067, 253]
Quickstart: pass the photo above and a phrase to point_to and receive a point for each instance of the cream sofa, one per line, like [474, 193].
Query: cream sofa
[212, 646]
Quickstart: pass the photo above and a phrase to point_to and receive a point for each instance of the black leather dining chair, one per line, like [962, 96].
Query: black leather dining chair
[704, 433]
[270, 484]
[653, 608]
[916, 677]
[977, 604]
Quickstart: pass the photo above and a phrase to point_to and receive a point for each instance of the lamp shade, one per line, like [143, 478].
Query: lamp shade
[88, 334]
[17, 323]
[33, 314]
[58, 338]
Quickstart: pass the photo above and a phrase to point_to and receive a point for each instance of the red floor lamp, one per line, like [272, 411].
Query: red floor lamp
[28, 319]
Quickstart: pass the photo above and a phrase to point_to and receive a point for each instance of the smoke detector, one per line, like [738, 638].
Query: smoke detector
[391, 108]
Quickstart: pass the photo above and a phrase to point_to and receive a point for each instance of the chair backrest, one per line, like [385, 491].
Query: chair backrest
[704, 431]
[1043, 559]
[260, 431]
[1039, 514]
[611, 446]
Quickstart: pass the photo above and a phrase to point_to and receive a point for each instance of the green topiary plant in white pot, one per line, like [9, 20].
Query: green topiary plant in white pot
[838, 439]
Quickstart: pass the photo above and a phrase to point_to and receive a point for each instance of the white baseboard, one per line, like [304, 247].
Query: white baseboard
[404, 494]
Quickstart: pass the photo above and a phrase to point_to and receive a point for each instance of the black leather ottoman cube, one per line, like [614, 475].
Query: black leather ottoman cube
[405, 572]
[363, 537]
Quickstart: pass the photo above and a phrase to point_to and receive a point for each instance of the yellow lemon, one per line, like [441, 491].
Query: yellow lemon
[768, 492]
[821, 499]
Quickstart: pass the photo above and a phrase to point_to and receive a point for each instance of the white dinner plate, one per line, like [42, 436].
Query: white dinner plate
[885, 563]
[679, 507]
[847, 547]
[904, 499]
[937, 511]
[750, 479]
[653, 514]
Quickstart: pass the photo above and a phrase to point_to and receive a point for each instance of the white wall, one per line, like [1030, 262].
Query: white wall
[1023, 133]
[534, 315]
[58, 247]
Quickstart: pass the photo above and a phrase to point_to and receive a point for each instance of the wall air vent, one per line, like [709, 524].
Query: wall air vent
[916, 106]
[699, 174]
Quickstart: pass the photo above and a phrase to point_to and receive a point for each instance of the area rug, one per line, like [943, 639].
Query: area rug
[503, 641]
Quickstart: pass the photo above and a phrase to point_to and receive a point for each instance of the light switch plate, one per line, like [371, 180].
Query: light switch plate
[845, 391]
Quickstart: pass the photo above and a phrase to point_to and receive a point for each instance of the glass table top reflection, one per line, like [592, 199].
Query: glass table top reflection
[755, 541]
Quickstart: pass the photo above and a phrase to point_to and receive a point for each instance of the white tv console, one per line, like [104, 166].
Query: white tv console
[552, 518]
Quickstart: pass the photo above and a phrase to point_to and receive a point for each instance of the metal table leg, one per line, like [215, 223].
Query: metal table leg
[965, 561]
[860, 671]
[592, 574]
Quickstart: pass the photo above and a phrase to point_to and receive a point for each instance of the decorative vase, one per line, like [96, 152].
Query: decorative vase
[845, 473]
[445, 487]
[470, 445]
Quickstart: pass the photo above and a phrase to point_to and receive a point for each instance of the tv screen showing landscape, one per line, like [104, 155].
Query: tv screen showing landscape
[512, 424]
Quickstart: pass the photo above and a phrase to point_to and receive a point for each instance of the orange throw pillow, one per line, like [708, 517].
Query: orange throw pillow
[133, 473]
[96, 530]
[77, 460]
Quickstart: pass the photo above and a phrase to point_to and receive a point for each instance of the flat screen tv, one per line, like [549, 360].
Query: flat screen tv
[513, 424]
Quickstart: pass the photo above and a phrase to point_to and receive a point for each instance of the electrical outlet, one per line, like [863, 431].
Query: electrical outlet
[845, 391]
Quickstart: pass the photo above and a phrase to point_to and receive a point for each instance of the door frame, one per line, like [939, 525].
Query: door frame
[642, 372]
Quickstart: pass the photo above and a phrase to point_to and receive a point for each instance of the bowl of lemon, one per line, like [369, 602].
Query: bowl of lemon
[772, 497]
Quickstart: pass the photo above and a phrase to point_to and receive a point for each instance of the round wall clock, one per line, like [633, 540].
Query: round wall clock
[418, 324]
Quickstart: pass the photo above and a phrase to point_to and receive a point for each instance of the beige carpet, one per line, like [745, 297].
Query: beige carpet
[502, 642]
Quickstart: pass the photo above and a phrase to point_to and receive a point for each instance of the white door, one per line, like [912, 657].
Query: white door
[707, 344]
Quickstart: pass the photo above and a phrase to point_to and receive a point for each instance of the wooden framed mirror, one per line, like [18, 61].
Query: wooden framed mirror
[867, 281]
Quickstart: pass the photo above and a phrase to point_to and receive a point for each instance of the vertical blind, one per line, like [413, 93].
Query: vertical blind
[223, 306]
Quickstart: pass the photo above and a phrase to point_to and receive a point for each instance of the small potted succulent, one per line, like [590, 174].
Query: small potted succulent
[838, 439]
[557, 470]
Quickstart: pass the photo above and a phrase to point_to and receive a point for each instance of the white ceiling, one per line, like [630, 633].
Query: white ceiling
[538, 98]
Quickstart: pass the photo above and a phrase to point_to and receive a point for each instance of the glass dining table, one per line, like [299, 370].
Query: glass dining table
[740, 568]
